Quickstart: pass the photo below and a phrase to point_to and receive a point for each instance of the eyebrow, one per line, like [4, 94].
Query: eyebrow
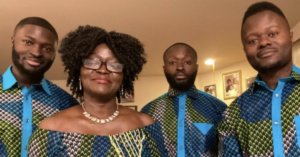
[256, 34]
[44, 43]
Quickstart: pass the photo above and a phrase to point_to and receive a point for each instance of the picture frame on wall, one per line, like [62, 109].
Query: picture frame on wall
[133, 107]
[211, 89]
[250, 81]
[232, 84]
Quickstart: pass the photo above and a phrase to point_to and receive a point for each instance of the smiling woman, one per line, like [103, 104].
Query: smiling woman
[102, 67]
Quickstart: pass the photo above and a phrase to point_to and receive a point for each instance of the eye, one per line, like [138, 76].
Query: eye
[172, 63]
[273, 34]
[48, 49]
[27, 42]
[188, 62]
[252, 41]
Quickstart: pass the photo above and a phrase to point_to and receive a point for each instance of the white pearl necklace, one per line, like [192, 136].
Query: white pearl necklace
[102, 121]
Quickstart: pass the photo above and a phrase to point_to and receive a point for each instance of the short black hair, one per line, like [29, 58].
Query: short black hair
[260, 7]
[81, 43]
[184, 44]
[39, 22]
[229, 80]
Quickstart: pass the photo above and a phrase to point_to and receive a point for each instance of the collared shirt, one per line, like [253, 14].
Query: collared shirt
[189, 121]
[22, 109]
[263, 121]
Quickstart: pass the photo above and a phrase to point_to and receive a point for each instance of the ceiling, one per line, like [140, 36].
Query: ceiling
[212, 27]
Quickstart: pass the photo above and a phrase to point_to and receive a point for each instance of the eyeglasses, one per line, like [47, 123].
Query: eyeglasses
[96, 64]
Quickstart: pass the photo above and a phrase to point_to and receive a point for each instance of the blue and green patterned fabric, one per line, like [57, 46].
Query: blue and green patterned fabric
[189, 121]
[263, 122]
[22, 109]
[143, 142]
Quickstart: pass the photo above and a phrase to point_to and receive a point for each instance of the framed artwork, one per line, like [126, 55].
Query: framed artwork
[232, 84]
[249, 81]
[211, 89]
[133, 107]
[127, 99]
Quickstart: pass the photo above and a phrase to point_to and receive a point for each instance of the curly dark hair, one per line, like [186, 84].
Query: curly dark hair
[82, 42]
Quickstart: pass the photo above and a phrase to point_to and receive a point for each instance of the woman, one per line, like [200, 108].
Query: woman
[101, 66]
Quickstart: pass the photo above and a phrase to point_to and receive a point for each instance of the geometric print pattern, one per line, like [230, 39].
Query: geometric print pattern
[11, 112]
[200, 108]
[146, 141]
[246, 128]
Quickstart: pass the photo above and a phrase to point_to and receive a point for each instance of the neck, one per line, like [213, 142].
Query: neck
[99, 108]
[26, 80]
[271, 77]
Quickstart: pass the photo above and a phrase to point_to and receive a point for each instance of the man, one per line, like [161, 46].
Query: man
[26, 97]
[264, 120]
[189, 117]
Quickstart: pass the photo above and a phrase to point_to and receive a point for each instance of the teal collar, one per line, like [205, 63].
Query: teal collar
[9, 80]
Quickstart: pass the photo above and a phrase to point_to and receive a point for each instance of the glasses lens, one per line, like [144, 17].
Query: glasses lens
[91, 64]
[114, 67]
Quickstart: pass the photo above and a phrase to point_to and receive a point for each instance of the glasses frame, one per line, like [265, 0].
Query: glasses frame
[101, 63]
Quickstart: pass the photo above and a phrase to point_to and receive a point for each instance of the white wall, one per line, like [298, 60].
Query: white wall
[296, 32]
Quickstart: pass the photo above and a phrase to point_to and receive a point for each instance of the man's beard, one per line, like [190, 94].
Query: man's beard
[181, 86]
[38, 72]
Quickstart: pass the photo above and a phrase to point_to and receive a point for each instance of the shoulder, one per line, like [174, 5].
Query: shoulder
[57, 90]
[63, 96]
[154, 103]
[145, 119]
[140, 119]
[60, 119]
[213, 100]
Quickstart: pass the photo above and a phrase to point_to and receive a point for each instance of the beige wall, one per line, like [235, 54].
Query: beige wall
[207, 78]
[296, 32]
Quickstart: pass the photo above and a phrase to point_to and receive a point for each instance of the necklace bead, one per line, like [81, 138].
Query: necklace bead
[102, 121]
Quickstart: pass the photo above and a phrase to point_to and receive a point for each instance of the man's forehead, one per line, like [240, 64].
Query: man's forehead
[265, 17]
[180, 50]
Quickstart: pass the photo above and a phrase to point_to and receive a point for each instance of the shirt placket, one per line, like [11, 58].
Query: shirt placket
[276, 121]
[26, 119]
[181, 124]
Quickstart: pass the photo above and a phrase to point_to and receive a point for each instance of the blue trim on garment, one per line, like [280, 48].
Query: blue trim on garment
[203, 127]
[296, 69]
[45, 86]
[180, 124]
[8, 79]
[297, 126]
[26, 119]
[276, 120]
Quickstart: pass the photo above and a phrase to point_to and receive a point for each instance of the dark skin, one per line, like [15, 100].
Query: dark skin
[100, 88]
[180, 62]
[36, 47]
[267, 42]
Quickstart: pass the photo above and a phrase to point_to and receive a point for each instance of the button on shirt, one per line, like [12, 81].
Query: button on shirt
[22, 109]
[189, 121]
[263, 121]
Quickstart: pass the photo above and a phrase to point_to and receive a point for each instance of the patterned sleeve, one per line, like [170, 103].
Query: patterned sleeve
[228, 141]
[43, 143]
[156, 140]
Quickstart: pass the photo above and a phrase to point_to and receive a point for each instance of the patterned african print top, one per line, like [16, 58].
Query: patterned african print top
[189, 121]
[22, 109]
[264, 122]
[143, 142]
